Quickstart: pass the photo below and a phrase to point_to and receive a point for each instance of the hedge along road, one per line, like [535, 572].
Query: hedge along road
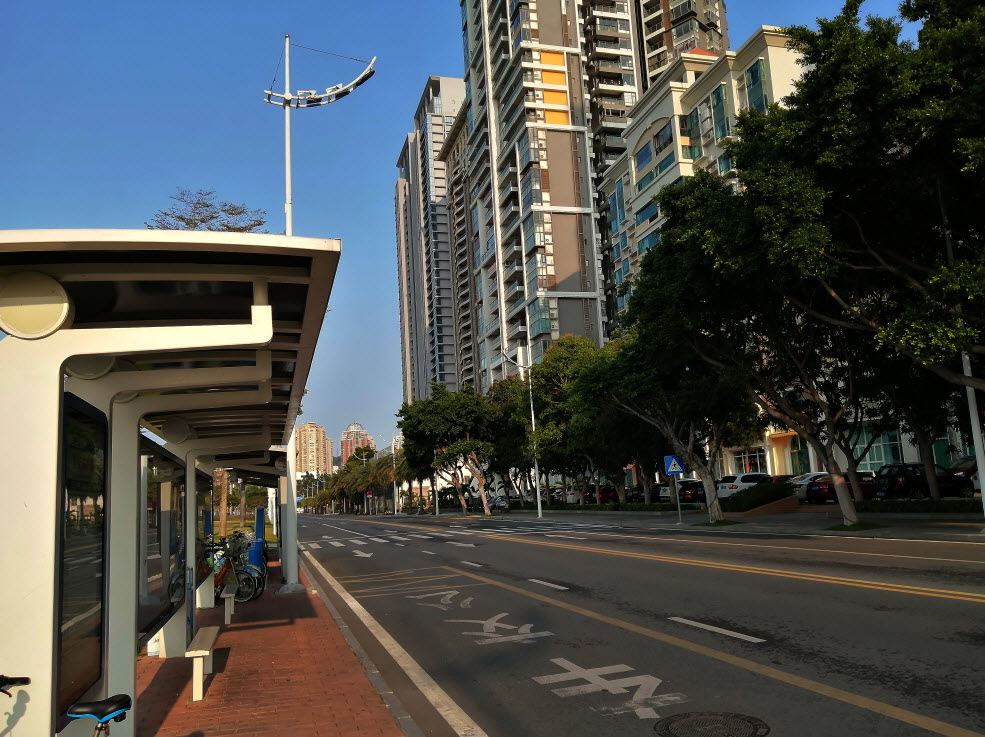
[818, 639]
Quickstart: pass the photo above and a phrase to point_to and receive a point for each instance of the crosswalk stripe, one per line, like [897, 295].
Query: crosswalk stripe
[314, 546]
[338, 545]
[357, 542]
[397, 537]
[377, 539]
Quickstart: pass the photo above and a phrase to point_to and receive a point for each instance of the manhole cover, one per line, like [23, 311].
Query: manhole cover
[711, 724]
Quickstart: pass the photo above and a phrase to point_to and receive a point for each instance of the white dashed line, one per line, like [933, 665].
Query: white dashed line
[357, 542]
[427, 552]
[378, 540]
[397, 537]
[545, 583]
[474, 565]
[568, 537]
[719, 630]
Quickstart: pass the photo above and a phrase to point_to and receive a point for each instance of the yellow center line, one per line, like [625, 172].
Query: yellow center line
[862, 702]
[774, 572]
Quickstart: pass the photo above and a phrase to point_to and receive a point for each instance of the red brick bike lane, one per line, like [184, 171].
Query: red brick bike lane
[281, 667]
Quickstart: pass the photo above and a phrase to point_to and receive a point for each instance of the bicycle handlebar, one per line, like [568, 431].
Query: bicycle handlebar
[9, 681]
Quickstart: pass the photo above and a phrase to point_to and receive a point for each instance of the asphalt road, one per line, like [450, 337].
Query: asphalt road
[577, 628]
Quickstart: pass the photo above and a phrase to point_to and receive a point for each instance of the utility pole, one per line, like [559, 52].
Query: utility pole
[304, 99]
[533, 429]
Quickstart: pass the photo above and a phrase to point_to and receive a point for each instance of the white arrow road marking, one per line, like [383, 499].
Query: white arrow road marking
[314, 546]
[357, 542]
[545, 583]
[474, 565]
[338, 545]
[461, 545]
[361, 554]
[719, 630]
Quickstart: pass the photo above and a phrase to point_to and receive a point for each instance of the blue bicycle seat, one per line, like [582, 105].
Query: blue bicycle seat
[102, 711]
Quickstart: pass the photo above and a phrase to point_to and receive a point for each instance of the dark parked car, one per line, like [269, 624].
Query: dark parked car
[909, 481]
[821, 490]
[691, 491]
[634, 495]
[608, 495]
[967, 468]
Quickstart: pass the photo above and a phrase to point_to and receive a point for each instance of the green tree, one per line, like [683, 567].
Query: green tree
[201, 210]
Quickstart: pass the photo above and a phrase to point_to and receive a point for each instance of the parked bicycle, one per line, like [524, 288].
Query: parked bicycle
[219, 562]
[114, 708]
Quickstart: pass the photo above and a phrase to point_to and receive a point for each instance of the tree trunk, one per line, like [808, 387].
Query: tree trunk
[715, 513]
[223, 505]
[482, 495]
[242, 507]
[926, 446]
[848, 513]
[855, 481]
[621, 491]
[647, 481]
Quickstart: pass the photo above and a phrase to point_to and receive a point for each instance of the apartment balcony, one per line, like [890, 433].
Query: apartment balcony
[511, 251]
[507, 177]
[687, 9]
[540, 326]
[606, 28]
[513, 273]
[517, 308]
[516, 330]
[610, 122]
[610, 49]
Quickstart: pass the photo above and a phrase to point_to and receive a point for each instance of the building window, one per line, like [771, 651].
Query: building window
[620, 201]
[648, 213]
[755, 94]
[613, 215]
[718, 113]
[800, 457]
[644, 156]
[641, 185]
[724, 164]
[750, 461]
[664, 138]
[885, 449]
[648, 242]
[666, 162]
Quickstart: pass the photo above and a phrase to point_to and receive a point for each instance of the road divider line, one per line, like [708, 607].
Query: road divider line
[452, 713]
[862, 702]
[351, 532]
[569, 537]
[719, 630]
[812, 577]
[474, 565]
[427, 552]
[545, 583]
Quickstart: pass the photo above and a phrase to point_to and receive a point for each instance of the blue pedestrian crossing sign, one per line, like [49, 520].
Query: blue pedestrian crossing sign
[673, 465]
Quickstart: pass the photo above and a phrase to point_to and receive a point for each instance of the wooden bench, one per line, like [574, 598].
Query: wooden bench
[229, 601]
[201, 650]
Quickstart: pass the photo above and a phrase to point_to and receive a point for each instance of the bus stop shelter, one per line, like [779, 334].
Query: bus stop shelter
[114, 339]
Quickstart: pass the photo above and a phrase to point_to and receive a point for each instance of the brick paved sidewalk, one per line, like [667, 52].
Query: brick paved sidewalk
[281, 668]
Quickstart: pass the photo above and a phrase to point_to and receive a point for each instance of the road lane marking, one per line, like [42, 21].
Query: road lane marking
[357, 542]
[569, 537]
[474, 565]
[435, 587]
[457, 719]
[336, 544]
[361, 554]
[427, 552]
[719, 630]
[388, 574]
[862, 702]
[423, 537]
[461, 545]
[395, 537]
[812, 577]
[314, 546]
[379, 540]
[545, 583]
[351, 532]
[832, 537]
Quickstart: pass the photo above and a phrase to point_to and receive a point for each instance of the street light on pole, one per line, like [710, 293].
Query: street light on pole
[304, 99]
[533, 429]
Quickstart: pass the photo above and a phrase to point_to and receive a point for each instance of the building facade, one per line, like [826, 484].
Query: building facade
[314, 450]
[424, 250]
[665, 29]
[679, 126]
[354, 437]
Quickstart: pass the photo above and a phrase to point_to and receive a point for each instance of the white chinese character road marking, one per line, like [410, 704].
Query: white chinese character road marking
[642, 702]
[489, 634]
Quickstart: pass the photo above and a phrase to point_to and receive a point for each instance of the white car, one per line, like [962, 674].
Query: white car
[800, 483]
[731, 484]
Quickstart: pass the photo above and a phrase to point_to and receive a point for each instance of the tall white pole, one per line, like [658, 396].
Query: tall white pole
[533, 431]
[288, 201]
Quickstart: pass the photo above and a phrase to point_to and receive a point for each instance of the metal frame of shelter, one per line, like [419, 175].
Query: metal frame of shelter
[203, 339]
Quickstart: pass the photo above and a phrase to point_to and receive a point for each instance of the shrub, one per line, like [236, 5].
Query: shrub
[756, 496]
[920, 506]
[616, 507]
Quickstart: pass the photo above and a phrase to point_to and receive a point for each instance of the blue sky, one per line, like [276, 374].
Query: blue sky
[110, 106]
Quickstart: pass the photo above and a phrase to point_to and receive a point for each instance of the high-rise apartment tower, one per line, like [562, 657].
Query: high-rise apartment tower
[354, 437]
[428, 347]
[314, 450]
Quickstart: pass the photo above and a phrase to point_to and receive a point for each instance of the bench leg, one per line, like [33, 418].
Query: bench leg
[198, 679]
[208, 663]
[229, 610]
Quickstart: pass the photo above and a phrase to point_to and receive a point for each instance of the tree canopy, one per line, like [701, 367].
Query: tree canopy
[202, 210]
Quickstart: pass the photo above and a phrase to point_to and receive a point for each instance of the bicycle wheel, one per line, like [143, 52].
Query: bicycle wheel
[247, 586]
[258, 579]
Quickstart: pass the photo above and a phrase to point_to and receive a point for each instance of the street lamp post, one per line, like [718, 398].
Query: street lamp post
[533, 430]
[304, 99]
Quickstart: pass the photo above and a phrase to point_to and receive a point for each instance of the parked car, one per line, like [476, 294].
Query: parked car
[781, 478]
[691, 491]
[822, 490]
[731, 484]
[800, 483]
[635, 495]
[909, 481]
[608, 495]
[967, 468]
